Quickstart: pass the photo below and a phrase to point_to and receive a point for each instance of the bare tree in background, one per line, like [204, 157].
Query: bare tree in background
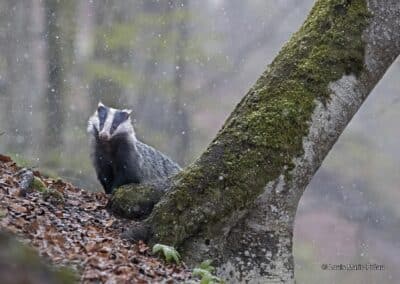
[171, 119]
[21, 76]
[110, 73]
[179, 121]
[145, 96]
[54, 90]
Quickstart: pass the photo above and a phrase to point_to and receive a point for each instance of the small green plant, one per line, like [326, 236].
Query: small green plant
[204, 271]
[170, 254]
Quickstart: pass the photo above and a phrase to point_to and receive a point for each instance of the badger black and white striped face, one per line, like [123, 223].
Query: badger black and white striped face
[108, 122]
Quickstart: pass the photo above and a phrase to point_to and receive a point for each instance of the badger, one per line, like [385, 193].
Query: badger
[118, 156]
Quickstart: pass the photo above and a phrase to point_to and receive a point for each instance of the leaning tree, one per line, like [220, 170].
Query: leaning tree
[237, 202]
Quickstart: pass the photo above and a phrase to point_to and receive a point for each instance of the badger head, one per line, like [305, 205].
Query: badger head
[107, 123]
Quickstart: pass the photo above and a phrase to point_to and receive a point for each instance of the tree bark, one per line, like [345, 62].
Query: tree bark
[54, 100]
[179, 119]
[236, 203]
[21, 77]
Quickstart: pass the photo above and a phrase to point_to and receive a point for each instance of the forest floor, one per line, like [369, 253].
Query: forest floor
[72, 227]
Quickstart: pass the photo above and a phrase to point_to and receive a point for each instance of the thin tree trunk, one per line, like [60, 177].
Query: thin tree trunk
[179, 123]
[54, 100]
[145, 103]
[20, 76]
[237, 202]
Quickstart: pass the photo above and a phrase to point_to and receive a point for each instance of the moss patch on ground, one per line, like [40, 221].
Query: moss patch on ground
[53, 196]
[38, 184]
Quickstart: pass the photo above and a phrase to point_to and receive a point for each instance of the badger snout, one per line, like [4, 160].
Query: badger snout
[104, 136]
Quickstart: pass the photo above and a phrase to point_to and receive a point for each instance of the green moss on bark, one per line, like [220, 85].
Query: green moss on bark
[265, 132]
[134, 201]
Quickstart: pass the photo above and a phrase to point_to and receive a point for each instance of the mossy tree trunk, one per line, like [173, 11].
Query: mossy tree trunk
[237, 202]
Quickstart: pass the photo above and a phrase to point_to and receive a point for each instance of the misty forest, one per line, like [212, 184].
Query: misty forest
[280, 114]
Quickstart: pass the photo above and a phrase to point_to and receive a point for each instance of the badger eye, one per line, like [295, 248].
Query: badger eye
[119, 118]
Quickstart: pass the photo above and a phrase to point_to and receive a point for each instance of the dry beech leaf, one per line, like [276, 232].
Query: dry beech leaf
[18, 208]
[5, 159]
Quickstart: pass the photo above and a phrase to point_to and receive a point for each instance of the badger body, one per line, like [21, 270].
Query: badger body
[118, 157]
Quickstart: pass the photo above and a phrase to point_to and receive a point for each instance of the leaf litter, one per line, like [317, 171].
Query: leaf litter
[72, 227]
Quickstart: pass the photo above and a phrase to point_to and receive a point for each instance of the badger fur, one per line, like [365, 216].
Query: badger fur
[118, 157]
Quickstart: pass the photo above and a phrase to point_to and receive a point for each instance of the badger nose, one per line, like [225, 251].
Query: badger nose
[104, 136]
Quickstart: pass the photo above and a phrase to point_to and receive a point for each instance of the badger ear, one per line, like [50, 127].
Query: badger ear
[128, 111]
[101, 107]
